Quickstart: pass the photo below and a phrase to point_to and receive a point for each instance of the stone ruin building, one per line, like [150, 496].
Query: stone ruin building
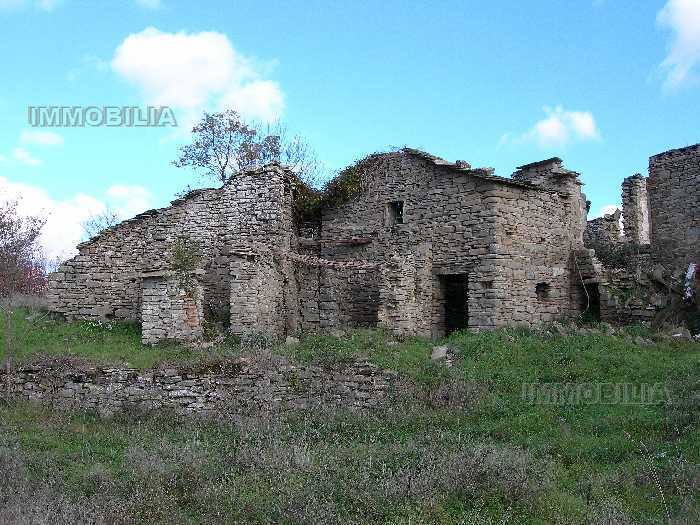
[420, 246]
[641, 259]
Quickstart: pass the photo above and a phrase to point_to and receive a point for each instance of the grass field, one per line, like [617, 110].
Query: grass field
[474, 450]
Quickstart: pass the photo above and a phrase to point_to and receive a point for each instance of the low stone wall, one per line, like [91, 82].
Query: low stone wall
[229, 387]
[629, 297]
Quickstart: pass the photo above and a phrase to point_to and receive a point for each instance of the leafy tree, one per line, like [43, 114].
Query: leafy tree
[225, 145]
[22, 267]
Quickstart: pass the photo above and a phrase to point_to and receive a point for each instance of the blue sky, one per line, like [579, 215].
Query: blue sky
[603, 84]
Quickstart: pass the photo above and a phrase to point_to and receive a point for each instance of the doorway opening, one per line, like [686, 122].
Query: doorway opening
[456, 294]
[592, 300]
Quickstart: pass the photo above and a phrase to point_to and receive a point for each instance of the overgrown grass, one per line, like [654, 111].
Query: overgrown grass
[111, 343]
[490, 457]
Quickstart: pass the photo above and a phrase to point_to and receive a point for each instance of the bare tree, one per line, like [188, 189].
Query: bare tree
[22, 269]
[296, 153]
[99, 222]
[225, 145]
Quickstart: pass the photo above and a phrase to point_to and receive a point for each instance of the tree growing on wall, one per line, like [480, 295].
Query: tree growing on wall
[22, 268]
[224, 145]
[185, 258]
[99, 222]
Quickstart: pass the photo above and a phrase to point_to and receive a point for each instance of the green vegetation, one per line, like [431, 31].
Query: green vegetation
[340, 189]
[109, 343]
[186, 256]
[462, 445]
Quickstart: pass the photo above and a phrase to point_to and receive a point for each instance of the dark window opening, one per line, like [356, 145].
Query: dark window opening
[395, 210]
[542, 291]
[591, 305]
[456, 294]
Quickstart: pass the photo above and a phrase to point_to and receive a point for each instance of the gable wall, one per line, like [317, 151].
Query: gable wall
[104, 281]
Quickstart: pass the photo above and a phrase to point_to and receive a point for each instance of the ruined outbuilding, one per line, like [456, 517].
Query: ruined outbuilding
[640, 255]
[419, 246]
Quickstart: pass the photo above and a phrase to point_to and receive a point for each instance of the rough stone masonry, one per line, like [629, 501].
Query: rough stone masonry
[659, 239]
[225, 388]
[423, 247]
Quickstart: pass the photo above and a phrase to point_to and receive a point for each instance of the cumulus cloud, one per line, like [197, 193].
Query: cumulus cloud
[22, 156]
[193, 71]
[63, 229]
[128, 201]
[43, 138]
[64, 218]
[260, 98]
[558, 128]
[682, 18]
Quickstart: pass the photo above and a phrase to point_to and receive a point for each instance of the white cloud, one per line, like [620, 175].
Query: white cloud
[23, 156]
[194, 71]
[63, 230]
[64, 218]
[682, 18]
[261, 99]
[44, 138]
[149, 4]
[608, 209]
[558, 128]
[129, 200]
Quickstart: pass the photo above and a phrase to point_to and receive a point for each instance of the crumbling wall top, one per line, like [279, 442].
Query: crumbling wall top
[675, 153]
[190, 196]
[486, 173]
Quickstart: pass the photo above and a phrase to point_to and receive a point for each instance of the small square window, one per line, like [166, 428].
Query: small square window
[395, 212]
[542, 291]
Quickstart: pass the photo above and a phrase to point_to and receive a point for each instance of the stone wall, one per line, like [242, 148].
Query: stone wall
[258, 295]
[222, 389]
[630, 294]
[384, 258]
[604, 230]
[635, 209]
[674, 198]
[406, 292]
[104, 279]
[506, 236]
[168, 311]
[537, 233]
[629, 297]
